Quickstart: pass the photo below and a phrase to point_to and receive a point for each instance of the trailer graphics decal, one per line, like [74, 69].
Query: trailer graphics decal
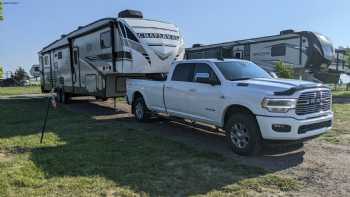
[158, 36]
[137, 47]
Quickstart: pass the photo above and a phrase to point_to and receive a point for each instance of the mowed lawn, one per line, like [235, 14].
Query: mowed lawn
[341, 94]
[10, 91]
[81, 156]
[341, 129]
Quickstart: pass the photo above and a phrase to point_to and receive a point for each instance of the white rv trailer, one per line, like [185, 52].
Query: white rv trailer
[96, 59]
[35, 71]
[304, 50]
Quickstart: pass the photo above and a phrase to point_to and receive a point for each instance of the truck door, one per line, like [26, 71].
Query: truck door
[178, 90]
[206, 99]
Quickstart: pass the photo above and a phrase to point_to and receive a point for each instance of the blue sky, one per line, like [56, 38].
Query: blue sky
[35, 23]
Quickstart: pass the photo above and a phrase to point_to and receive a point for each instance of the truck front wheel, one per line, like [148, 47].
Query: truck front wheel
[242, 133]
[141, 111]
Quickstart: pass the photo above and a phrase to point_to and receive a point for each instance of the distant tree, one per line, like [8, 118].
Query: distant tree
[1, 72]
[348, 57]
[21, 75]
[284, 71]
[1, 10]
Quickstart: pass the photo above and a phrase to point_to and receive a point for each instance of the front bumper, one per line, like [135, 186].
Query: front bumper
[268, 133]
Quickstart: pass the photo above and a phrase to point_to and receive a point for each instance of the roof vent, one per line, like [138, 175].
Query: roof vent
[63, 35]
[288, 31]
[130, 14]
[196, 45]
[80, 27]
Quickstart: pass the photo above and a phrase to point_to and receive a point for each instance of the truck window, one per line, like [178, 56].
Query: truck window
[278, 50]
[183, 72]
[204, 68]
[105, 40]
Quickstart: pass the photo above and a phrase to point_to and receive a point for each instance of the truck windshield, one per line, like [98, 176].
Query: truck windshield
[237, 70]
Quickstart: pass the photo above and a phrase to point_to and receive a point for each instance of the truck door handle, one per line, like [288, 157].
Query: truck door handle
[192, 90]
[169, 88]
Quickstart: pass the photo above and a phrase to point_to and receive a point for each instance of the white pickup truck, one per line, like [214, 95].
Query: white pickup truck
[239, 97]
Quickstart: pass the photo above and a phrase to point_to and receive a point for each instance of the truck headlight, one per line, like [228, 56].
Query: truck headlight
[279, 105]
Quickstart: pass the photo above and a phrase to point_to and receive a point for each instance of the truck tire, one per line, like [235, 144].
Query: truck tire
[141, 111]
[243, 134]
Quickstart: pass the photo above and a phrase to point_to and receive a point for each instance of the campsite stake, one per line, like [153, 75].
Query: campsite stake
[45, 120]
[115, 104]
[51, 100]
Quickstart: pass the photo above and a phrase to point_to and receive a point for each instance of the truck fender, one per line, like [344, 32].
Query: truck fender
[235, 108]
[135, 95]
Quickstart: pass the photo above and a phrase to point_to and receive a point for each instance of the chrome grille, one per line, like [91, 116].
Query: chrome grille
[314, 102]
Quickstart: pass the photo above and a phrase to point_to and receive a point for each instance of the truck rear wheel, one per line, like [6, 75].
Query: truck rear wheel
[243, 134]
[141, 111]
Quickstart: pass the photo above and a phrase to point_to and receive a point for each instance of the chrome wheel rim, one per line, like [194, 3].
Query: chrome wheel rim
[239, 135]
[139, 111]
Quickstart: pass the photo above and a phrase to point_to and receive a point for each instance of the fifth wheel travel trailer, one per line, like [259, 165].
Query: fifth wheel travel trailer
[307, 52]
[96, 59]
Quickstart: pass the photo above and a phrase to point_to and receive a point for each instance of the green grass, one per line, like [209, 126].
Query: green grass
[84, 157]
[340, 133]
[342, 94]
[9, 91]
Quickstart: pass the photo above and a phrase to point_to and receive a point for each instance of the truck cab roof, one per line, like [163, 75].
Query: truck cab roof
[211, 60]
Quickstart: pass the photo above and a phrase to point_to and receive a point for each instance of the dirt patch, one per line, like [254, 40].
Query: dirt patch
[5, 157]
[322, 167]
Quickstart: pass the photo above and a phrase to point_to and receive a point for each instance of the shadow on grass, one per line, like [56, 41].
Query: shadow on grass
[133, 155]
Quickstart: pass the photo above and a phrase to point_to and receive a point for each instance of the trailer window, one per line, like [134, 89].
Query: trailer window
[278, 50]
[105, 40]
[59, 55]
[183, 72]
[46, 60]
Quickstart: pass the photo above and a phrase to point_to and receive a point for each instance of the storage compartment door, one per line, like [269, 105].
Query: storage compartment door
[91, 83]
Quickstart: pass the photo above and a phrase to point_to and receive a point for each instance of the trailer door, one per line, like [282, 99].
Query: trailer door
[76, 64]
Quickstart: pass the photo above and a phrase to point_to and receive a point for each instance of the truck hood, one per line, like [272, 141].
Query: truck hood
[279, 86]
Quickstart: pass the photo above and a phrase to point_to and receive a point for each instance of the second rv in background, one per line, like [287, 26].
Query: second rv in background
[309, 53]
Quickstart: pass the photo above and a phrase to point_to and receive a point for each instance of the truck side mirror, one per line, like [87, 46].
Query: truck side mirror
[205, 78]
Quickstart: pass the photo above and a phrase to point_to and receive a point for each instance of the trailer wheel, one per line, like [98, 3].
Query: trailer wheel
[63, 97]
[59, 96]
[243, 134]
[141, 111]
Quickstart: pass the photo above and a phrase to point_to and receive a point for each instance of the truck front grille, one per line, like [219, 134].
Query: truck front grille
[314, 102]
[311, 127]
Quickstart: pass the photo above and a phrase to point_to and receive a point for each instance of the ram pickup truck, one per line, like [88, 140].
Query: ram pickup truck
[239, 97]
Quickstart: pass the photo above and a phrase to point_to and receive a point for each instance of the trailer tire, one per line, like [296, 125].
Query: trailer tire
[243, 134]
[141, 111]
[63, 97]
[59, 96]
